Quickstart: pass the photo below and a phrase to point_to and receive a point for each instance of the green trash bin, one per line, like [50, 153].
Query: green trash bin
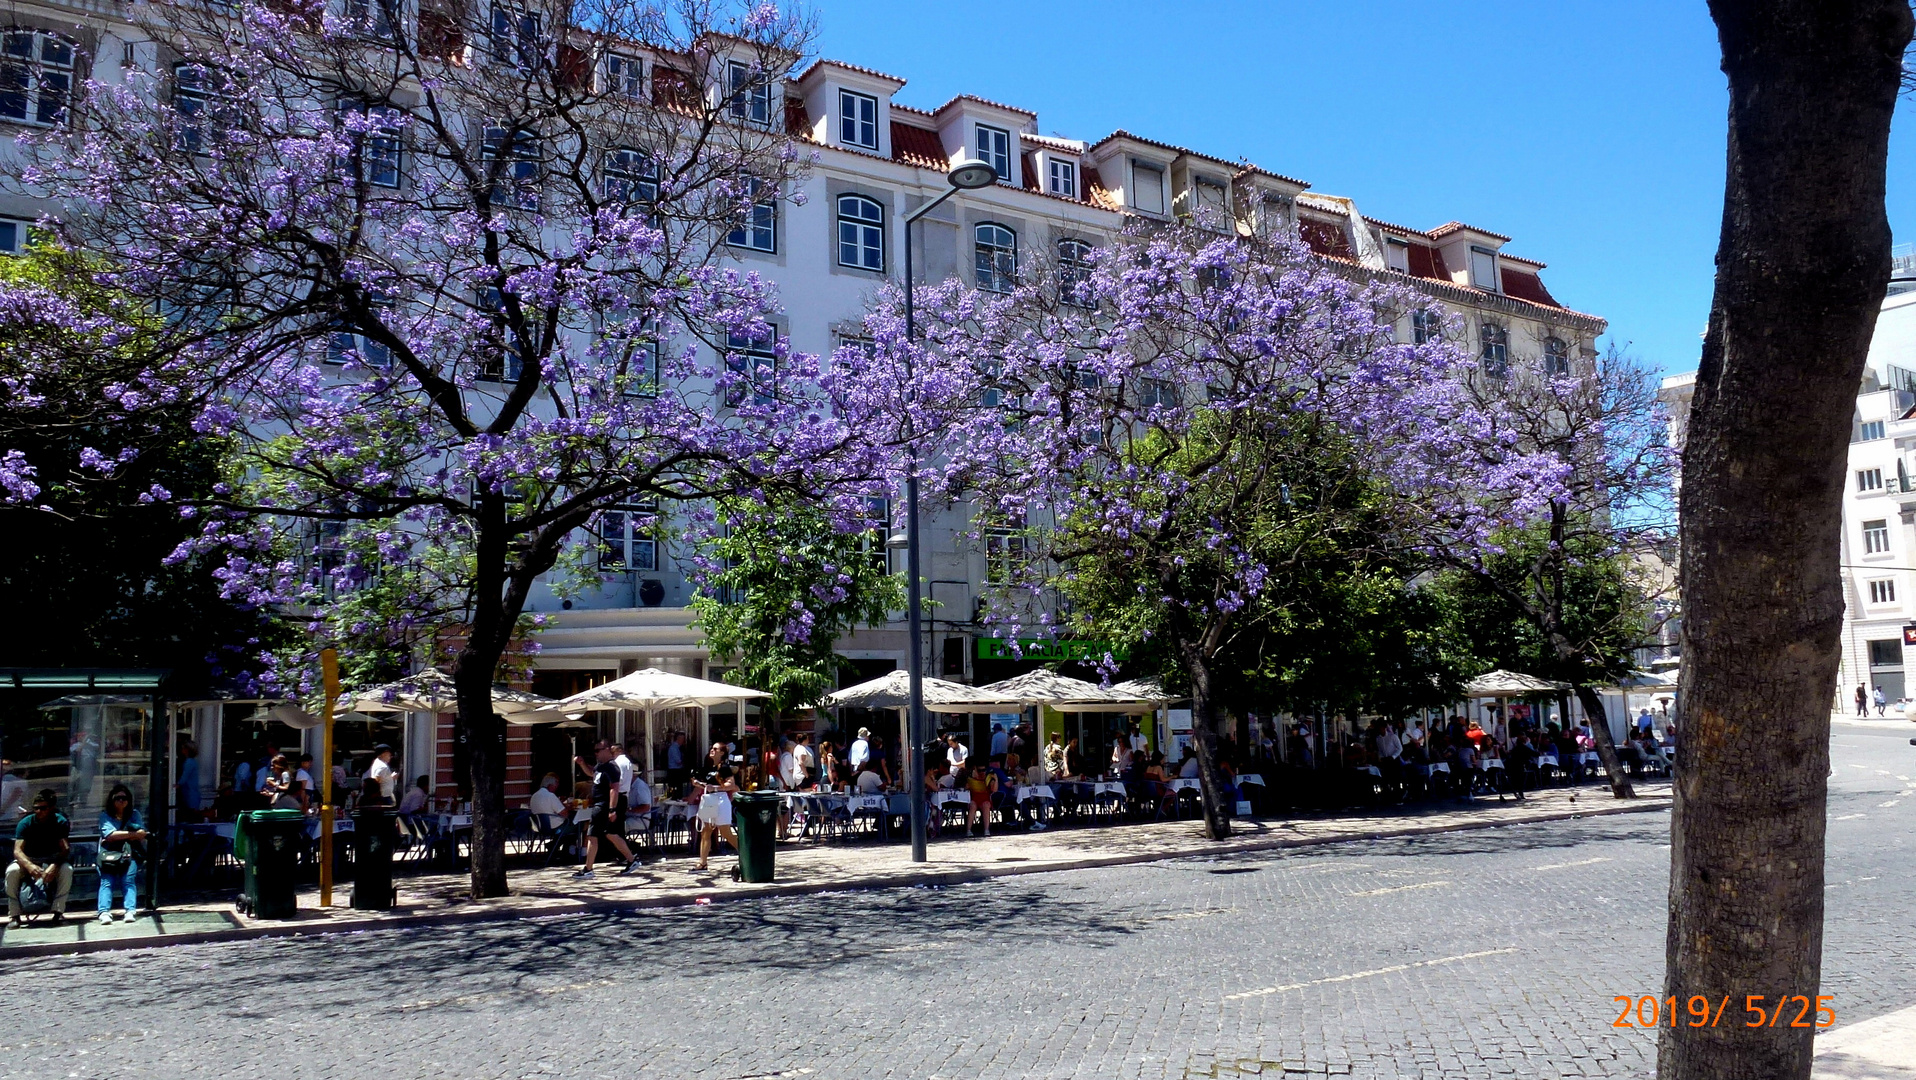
[756, 814]
[267, 842]
[374, 837]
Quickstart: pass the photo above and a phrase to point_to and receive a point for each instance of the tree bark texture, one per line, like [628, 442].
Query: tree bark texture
[1217, 816]
[1801, 269]
[1592, 703]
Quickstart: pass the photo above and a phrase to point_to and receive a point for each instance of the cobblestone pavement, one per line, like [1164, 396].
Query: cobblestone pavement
[1480, 954]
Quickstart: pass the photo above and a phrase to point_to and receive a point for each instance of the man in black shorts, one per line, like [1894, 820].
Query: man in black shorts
[608, 811]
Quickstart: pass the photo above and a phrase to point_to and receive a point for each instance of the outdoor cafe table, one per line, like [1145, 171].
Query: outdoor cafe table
[1021, 792]
[1183, 783]
[949, 795]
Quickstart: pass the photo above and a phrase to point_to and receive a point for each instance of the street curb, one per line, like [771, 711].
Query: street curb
[893, 881]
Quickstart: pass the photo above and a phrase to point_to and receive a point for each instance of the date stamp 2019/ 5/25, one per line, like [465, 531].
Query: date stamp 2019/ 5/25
[1783, 1010]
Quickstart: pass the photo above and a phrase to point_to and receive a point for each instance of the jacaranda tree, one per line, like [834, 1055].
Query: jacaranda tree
[1125, 396]
[451, 283]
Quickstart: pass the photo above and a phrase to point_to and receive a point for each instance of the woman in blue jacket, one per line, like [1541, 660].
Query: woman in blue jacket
[120, 829]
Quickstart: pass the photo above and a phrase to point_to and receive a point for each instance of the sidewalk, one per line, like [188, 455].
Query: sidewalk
[1883, 1048]
[805, 867]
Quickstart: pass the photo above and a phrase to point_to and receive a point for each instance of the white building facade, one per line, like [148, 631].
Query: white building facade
[1878, 538]
[829, 252]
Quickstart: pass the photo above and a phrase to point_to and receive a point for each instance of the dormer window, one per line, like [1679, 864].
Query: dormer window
[624, 75]
[1147, 183]
[1062, 178]
[1483, 268]
[857, 119]
[994, 149]
[751, 94]
[1397, 254]
[1210, 202]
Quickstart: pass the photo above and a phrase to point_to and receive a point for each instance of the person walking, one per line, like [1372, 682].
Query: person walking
[1882, 701]
[1862, 700]
[608, 813]
[715, 813]
[122, 847]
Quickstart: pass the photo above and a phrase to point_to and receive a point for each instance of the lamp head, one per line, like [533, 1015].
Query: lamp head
[969, 175]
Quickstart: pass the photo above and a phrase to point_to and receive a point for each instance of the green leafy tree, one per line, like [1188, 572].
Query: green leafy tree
[1335, 622]
[84, 570]
[780, 582]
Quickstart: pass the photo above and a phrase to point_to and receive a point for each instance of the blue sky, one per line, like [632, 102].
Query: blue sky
[1590, 133]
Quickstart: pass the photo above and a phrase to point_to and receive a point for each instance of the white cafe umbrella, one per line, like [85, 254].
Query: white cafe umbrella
[651, 688]
[892, 690]
[433, 691]
[1066, 694]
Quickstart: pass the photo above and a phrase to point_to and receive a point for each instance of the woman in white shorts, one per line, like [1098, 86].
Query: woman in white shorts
[715, 813]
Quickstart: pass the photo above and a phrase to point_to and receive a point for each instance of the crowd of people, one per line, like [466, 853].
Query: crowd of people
[1504, 759]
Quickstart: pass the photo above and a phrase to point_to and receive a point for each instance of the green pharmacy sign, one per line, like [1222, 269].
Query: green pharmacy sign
[1046, 650]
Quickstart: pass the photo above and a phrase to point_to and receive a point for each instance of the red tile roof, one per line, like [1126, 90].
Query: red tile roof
[917, 146]
[984, 101]
[1428, 262]
[1250, 168]
[1449, 227]
[1525, 285]
[822, 62]
[1069, 146]
[1325, 237]
[1095, 192]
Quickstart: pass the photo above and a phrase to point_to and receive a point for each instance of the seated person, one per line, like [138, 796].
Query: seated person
[869, 782]
[40, 854]
[1188, 768]
[546, 802]
[638, 797]
[415, 800]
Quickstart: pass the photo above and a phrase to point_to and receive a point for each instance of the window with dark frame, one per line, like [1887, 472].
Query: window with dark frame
[202, 107]
[624, 75]
[630, 179]
[378, 141]
[857, 119]
[1004, 553]
[994, 149]
[1882, 591]
[36, 76]
[517, 180]
[516, 37]
[749, 91]
[996, 263]
[503, 363]
[628, 537]
[1483, 269]
[1147, 182]
[1886, 653]
[1556, 356]
[1426, 326]
[372, 19]
[1871, 431]
[345, 344]
[1496, 350]
[1869, 480]
[1074, 273]
[861, 233]
[754, 362]
[757, 229]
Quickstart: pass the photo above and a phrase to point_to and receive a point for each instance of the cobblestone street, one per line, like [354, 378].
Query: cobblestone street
[1486, 953]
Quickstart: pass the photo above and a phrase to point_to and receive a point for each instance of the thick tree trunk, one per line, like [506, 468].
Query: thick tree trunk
[1217, 816]
[1801, 269]
[486, 753]
[1606, 745]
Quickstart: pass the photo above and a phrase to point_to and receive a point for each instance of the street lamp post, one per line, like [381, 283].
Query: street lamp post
[965, 176]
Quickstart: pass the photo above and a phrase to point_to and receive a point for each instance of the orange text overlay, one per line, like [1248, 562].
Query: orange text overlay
[1757, 1011]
